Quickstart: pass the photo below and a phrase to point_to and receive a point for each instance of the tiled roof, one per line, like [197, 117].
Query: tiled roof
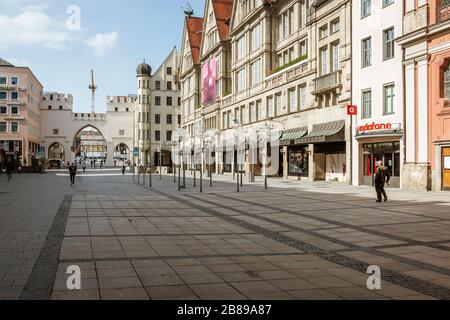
[4, 63]
[195, 29]
[223, 10]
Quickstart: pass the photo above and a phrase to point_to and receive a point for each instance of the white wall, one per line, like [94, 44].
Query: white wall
[379, 73]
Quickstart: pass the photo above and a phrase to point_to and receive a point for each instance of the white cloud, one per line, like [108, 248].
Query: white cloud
[31, 28]
[102, 42]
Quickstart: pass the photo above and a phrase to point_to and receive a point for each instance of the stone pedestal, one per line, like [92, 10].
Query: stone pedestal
[416, 177]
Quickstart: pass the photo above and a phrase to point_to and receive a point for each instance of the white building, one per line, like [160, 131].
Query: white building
[158, 112]
[377, 89]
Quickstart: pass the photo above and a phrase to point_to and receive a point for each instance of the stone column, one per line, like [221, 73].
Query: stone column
[312, 166]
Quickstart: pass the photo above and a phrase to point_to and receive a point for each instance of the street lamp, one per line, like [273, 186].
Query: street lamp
[267, 129]
[238, 142]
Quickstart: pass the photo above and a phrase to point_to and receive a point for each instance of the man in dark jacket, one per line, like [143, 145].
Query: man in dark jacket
[9, 169]
[73, 173]
[381, 178]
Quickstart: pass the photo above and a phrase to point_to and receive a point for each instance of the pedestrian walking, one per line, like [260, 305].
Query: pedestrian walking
[123, 169]
[382, 178]
[72, 173]
[84, 166]
[101, 165]
[9, 169]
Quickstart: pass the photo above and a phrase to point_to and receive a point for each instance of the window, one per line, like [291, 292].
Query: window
[387, 2]
[388, 44]
[270, 107]
[14, 81]
[323, 32]
[169, 136]
[447, 83]
[2, 80]
[3, 110]
[14, 110]
[157, 135]
[157, 118]
[169, 85]
[367, 104]
[3, 95]
[121, 132]
[157, 101]
[256, 72]
[60, 107]
[242, 79]
[241, 47]
[335, 56]
[252, 112]
[256, 35]
[303, 97]
[389, 99]
[116, 109]
[334, 26]
[158, 85]
[366, 53]
[49, 107]
[55, 132]
[169, 119]
[292, 100]
[169, 70]
[259, 111]
[14, 127]
[303, 49]
[169, 101]
[365, 8]
[279, 102]
[3, 127]
[324, 61]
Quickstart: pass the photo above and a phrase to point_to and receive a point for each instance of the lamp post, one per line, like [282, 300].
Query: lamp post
[268, 128]
[237, 151]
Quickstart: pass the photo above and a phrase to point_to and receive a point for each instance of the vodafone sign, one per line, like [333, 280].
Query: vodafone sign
[378, 127]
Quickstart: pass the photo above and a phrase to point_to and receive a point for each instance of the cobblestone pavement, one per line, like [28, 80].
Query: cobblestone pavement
[298, 241]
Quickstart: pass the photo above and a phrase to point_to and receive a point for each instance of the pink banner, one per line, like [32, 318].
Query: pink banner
[209, 81]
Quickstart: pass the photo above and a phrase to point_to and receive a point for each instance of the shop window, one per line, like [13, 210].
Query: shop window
[298, 162]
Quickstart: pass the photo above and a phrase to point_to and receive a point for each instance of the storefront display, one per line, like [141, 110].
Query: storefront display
[388, 153]
[299, 161]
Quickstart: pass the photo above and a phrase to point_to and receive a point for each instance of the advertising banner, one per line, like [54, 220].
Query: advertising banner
[209, 80]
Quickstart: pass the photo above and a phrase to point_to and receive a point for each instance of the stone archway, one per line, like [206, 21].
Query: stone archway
[122, 154]
[56, 155]
[90, 144]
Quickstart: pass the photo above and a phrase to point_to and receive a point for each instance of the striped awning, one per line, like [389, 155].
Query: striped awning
[324, 132]
[292, 135]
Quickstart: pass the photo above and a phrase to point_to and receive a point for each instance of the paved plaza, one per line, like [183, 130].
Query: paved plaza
[299, 240]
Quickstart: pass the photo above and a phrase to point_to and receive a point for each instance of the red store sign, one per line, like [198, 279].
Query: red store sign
[377, 127]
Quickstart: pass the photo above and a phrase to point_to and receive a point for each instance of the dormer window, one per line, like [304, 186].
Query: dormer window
[212, 38]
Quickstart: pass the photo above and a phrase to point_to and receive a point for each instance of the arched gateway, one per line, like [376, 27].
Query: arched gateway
[69, 136]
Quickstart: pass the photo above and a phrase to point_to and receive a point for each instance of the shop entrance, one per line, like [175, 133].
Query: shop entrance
[446, 169]
[389, 154]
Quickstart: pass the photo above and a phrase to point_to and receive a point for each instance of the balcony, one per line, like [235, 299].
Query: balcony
[288, 74]
[415, 20]
[443, 11]
[328, 82]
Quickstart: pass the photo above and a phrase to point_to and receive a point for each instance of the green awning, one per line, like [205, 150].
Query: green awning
[325, 132]
[292, 135]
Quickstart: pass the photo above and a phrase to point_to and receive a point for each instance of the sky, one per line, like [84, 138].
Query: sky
[62, 40]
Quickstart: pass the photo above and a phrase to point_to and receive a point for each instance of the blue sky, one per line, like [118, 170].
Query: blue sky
[112, 38]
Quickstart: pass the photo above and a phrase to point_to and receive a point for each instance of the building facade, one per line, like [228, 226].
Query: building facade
[283, 64]
[426, 45]
[63, 130]
[377, 90]
[158, 111]
[20, 127]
